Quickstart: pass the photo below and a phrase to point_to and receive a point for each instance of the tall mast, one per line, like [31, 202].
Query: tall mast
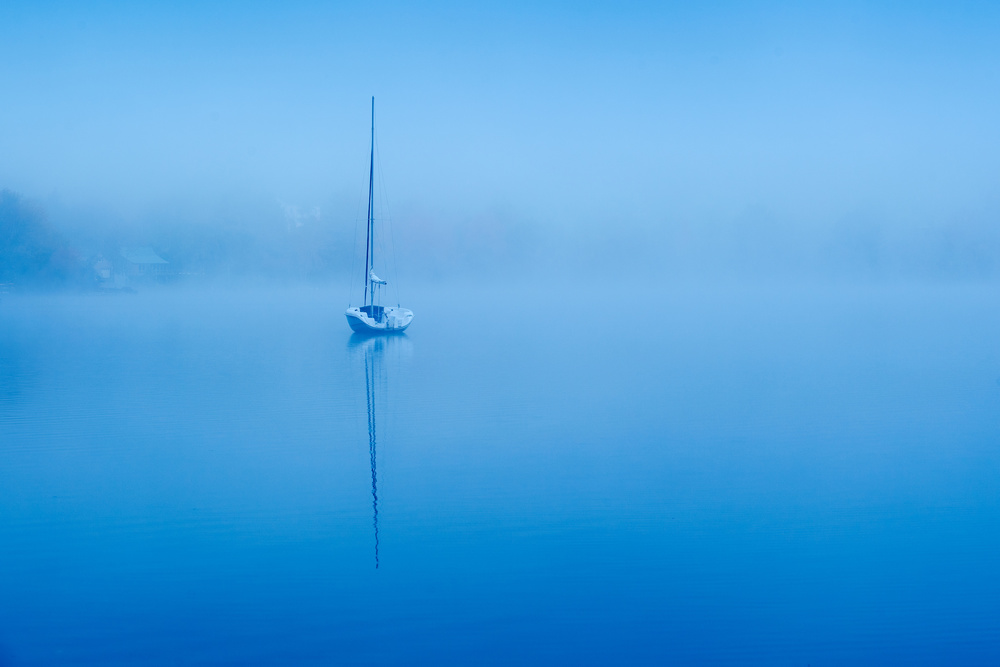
[370, 236]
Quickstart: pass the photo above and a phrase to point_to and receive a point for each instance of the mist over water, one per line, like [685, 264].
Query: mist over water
[746, 475]
[703, 368]
[742, 139]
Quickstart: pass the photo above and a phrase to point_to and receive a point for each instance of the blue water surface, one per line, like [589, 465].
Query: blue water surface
[686, 474]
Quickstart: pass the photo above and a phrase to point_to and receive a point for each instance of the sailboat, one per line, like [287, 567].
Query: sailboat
[372, 317]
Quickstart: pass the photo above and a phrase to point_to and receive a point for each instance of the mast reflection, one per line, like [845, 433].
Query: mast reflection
[373, 349]
[372, 366]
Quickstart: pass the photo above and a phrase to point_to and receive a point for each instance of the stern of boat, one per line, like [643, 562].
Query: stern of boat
[376, 320]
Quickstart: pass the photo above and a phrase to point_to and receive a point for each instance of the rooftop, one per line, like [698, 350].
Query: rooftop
[142, 255]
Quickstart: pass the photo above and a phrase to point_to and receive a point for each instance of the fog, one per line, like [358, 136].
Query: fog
[743, 140]
[703, 362]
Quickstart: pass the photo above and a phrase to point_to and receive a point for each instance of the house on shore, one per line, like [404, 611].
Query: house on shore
[133, 265]
[142, 263]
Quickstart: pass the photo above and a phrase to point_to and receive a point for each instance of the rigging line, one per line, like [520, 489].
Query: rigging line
[378, 240]
[388, 215]
[369, 240]
[375, 200]
[388, 218]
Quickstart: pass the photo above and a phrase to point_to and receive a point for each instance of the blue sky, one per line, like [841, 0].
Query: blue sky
[550, 112]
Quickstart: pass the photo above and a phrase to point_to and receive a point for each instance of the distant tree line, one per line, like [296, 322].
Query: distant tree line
[35, 254]
[31, 252]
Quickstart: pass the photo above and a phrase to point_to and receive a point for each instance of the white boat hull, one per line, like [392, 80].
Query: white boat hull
[379, 320]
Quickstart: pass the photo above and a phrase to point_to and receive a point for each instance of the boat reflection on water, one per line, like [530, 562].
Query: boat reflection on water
[375, 352]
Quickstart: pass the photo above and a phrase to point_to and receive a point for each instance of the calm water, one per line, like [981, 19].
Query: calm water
[697, 475]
